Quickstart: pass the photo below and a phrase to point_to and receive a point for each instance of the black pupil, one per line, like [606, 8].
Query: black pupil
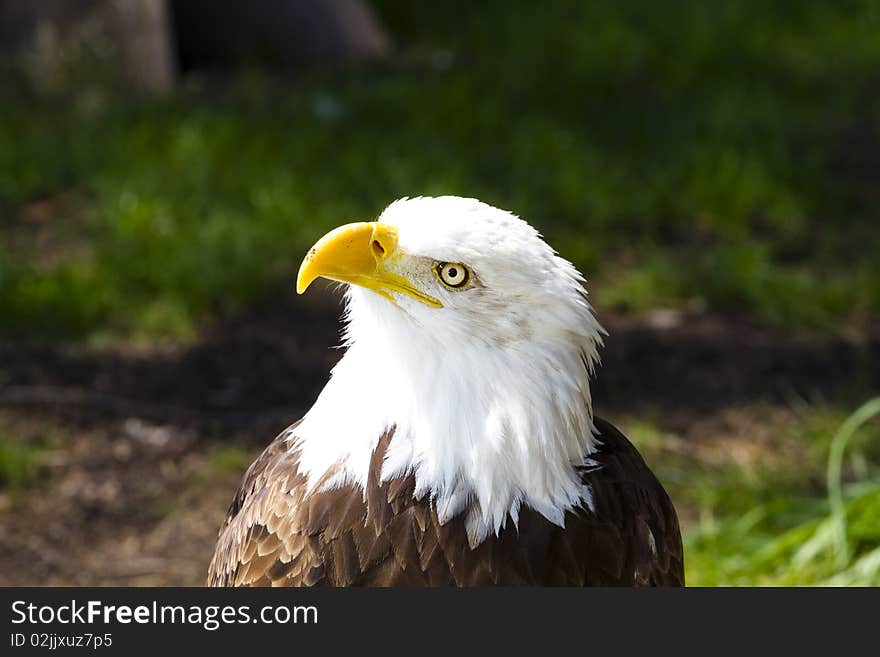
[453, 272]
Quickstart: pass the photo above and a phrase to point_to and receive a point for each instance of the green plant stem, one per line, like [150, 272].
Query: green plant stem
[835, 465]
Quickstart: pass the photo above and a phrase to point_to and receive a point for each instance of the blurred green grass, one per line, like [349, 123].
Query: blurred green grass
[679, 153]
[19, 464]
[769, 521]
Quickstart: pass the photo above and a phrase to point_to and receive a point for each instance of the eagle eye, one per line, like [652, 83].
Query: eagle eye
[453, 274]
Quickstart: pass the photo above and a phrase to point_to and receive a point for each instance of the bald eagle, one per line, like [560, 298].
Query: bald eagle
[455, 443]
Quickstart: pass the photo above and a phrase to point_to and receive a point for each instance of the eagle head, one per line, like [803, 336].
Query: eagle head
[474, 341]
[459, 272]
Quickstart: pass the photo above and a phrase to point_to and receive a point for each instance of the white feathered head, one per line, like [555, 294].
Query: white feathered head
[475, 340]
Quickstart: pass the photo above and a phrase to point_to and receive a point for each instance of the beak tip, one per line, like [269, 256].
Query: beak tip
[303, 280]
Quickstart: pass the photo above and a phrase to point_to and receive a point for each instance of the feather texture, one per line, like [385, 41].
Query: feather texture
[280, 533]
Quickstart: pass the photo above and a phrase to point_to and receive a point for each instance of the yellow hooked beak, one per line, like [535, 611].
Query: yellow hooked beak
[356, 254]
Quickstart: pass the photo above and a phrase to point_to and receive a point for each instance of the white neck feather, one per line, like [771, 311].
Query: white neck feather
[484, 429]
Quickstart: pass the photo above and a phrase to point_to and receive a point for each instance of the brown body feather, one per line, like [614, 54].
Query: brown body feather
[276, 535]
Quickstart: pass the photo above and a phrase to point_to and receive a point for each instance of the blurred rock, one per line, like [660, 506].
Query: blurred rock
[74, 45]
[664, 319]
[145, 44]
[150, 435]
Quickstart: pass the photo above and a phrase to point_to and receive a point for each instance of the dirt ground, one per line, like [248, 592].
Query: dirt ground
[140, 451]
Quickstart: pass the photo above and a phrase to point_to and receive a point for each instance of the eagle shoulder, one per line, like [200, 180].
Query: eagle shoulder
[281, 532]
[632, 511]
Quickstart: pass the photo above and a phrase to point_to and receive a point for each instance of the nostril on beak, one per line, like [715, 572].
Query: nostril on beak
[383, 241]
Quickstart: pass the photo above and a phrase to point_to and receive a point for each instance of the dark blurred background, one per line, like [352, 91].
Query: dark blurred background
[713, 169]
